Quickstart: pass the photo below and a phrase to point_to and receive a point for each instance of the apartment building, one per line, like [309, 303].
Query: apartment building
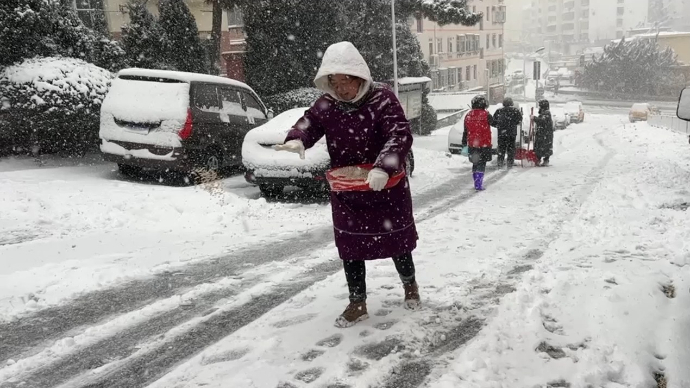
[459, 55]
[232, 35]
[568, 26]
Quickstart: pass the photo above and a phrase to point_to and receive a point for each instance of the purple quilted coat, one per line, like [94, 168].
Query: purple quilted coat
[367, 224]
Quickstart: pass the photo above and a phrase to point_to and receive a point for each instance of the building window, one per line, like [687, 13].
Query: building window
[444, 77]
[488, 41]
[460, 42]
[619, 23]
[431, 47]
[90, 12]
[235, 17]
[488, 14]
[500, 40]
[460, 75]
[469, 69]
[493, 40]
[450, 44]
[420, 24]
[451, 76]
[621, 11]
[439, 45]
[475, 72]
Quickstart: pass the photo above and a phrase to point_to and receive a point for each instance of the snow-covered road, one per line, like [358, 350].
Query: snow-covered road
[572, 275]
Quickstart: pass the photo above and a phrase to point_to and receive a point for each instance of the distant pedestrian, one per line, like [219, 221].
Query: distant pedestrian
[477, 137]
[507, 120]
[543, 137]
[364, 123]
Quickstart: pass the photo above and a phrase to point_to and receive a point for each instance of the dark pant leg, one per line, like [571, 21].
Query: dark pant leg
[502, 148]
[479, 167]
[510, 149]
[355, 273]
[405, 266]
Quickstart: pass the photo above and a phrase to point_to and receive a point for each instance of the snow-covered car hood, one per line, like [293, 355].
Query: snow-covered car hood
[558, 115]
[258, 152]
[572, 110]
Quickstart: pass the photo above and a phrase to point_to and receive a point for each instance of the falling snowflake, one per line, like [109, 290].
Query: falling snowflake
[291, 37]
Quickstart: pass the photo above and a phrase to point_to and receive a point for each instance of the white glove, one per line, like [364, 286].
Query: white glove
[377, 179]
[295, 146]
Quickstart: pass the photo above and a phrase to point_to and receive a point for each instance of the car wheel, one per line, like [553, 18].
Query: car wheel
[128, 170]
[270, 191]
[213, 161]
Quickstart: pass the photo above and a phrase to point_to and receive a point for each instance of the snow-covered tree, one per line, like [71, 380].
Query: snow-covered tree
[440, 11]
[50, 28]
[142, 38]
[285, 41]
[181, 44]
[639, 66]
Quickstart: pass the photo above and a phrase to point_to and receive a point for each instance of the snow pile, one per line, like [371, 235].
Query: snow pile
[66, 76]
[259, 155]
[54, 102]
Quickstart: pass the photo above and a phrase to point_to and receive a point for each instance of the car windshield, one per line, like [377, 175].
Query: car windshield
[174, 212]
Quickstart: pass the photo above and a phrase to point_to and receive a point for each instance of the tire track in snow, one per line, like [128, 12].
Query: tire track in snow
[122, 345]
[29, 334]
[415, 371]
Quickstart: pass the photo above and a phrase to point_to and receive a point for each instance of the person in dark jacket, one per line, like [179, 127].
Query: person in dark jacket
[507, 120]
[543, 136]
[477, 137]
[364, 123]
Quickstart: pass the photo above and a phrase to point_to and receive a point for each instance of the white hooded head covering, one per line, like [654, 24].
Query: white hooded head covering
[343, 58]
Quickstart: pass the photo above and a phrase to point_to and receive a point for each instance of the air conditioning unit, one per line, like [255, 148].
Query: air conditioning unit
[434, 61]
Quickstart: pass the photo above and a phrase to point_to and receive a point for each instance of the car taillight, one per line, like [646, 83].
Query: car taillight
[186, 131]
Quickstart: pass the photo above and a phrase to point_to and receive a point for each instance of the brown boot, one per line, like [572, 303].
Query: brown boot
[354, 313]
[412, 299]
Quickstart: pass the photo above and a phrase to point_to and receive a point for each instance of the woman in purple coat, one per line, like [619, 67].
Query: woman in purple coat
[364, 123]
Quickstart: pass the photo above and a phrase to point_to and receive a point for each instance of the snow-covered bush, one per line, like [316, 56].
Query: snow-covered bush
[428, 120]
[298, 98]
[49, 28]
[53, 104]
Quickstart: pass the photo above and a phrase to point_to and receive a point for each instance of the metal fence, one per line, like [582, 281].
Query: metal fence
[672, 123]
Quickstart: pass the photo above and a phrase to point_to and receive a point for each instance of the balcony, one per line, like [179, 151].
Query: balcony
[568, 26]
[568, 16]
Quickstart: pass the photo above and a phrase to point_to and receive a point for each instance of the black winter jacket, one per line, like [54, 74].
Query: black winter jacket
[506, 120]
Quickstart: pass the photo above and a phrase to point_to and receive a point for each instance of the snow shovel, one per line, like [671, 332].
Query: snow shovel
[524, 153]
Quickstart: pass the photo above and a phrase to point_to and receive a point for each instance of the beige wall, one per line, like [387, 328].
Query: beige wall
[449, 58]
[680, 44]
[201, 11]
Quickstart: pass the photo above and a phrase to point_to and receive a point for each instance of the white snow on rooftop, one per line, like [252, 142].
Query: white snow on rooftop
[413, 80]
[451, 101]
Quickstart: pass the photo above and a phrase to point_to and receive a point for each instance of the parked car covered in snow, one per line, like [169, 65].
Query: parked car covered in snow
[272, 171]
[168, 120]
[642, 111]
[575, 111]
[561, 120]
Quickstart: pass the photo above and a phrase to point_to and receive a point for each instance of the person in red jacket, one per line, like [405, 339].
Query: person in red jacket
[477, 137]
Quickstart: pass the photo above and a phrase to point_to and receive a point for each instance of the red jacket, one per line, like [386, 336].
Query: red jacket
[477, 129]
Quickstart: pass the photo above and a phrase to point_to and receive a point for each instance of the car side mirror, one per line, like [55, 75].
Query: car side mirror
[683, 111]
[270, 114]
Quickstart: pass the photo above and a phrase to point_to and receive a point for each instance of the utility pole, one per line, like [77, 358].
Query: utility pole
[395, 50]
